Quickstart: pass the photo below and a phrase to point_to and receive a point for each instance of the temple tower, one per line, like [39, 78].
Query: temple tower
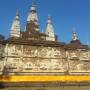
[50, 30]
[32, 19]
[15, 28]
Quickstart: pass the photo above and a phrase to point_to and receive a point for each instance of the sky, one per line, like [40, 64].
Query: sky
[67, 16]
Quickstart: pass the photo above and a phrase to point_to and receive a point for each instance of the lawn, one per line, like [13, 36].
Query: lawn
[49, 88]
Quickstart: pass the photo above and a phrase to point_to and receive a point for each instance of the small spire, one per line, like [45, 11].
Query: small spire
[32, 16]
[50, 30]
[33, 2]
[17, 15]
[74, 37]
[49, 19]
[15, 29]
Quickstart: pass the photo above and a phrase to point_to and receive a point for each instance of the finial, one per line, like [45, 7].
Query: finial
[49, 16]
[33, 2]
[17, 15]
[74, 37]
[33, 8]
[17, 12]
[49, 19]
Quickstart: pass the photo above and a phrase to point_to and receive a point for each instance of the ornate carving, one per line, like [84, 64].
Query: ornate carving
[30, 58]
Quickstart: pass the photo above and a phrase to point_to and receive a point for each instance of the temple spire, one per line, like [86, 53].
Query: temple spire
[50, 30]
[32, 16]
[74, 36]
[15, 29]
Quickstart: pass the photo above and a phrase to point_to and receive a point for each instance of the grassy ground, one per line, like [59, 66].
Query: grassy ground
[49, 88]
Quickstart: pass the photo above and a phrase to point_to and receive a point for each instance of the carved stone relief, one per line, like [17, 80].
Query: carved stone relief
[84, 56]
[25, 58]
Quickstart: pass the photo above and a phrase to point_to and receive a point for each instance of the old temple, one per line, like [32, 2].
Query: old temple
[33, 53]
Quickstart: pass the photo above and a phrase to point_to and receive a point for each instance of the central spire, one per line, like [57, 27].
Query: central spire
[32, 16]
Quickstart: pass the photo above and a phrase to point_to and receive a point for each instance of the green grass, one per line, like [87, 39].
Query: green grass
[49, 88]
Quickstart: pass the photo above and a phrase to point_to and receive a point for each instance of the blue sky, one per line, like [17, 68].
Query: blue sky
[66, 15]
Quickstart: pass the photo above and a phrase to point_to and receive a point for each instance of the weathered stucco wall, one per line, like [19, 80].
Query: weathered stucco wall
[28, 59]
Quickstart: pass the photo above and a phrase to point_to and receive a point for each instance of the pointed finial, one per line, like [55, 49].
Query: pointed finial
[33, 8]
[33, 2]
[49, 16]
[74, 37]
[17, 12]
[17, 15]
[49, 19]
